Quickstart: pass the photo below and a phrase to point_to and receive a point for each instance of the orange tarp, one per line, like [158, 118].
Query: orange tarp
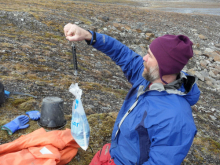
[40, 148]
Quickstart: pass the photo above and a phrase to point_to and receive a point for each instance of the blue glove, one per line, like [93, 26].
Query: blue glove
[7, 93]
[34, 115]
[16, 124]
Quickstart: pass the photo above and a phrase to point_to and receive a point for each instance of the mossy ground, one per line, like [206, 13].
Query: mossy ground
[26, 49]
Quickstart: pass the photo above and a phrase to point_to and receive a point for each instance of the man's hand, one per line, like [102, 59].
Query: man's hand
[76, 33]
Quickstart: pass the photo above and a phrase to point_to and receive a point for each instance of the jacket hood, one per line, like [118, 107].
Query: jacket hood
[184, 85]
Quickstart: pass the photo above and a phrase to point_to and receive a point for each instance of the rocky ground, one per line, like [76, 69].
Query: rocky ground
[35, 58]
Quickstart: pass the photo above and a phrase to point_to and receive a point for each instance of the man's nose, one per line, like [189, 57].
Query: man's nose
[145, 57]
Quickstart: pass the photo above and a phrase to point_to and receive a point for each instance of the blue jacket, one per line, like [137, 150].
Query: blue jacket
[160, 129]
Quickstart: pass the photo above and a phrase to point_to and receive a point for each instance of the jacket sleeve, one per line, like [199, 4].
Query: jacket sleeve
[130, 62]
[169, 146]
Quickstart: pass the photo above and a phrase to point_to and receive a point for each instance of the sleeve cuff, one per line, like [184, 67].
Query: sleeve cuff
[11, 127]
[93, 40]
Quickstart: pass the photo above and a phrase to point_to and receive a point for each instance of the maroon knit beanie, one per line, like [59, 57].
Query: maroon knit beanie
[172, 53]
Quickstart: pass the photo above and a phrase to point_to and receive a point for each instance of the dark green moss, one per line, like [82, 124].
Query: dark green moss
[214, 145]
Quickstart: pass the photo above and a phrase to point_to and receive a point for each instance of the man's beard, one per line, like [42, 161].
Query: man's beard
[151, 74]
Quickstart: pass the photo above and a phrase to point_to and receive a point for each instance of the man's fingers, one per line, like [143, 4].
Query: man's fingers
[67, 28]
[66, 32]
[71, 38]
[74, 33]
[70, 33]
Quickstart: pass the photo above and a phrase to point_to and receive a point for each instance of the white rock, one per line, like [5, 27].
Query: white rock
[199, 75]
[213, 109]
[194, 30]
[212, 117]
[209, 50]
[212, 74]
[204, 73]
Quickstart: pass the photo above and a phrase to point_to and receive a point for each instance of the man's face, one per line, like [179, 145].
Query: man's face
[151, 69]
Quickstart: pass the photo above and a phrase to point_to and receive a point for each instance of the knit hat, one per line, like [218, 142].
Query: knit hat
[172, 53]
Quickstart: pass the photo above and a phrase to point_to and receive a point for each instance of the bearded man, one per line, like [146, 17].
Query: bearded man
[155, 125]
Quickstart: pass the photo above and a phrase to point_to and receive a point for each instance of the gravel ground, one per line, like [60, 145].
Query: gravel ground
[36, 59]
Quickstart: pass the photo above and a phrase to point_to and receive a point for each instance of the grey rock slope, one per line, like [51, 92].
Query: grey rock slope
[35, 58]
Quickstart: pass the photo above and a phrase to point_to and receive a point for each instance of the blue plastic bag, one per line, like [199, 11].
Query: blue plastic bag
[79, 125]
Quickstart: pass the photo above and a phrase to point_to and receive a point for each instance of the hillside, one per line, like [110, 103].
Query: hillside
[36, 58]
